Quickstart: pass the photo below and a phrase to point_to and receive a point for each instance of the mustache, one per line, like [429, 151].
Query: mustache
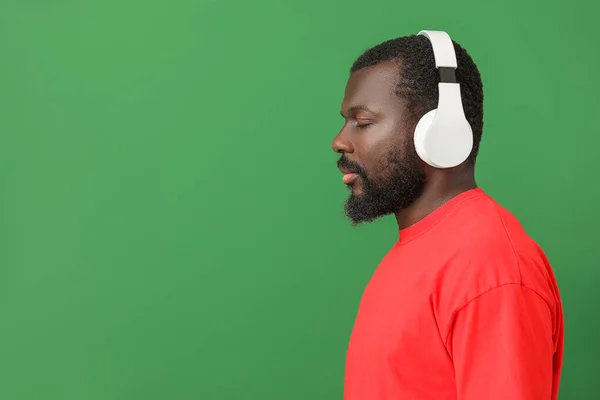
[351, 166]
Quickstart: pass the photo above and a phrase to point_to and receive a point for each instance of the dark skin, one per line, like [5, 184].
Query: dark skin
[377, 130]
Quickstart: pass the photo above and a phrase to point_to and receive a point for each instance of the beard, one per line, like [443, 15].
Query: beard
[402, 182]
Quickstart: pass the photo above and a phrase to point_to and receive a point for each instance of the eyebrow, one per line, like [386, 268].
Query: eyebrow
[357, 108]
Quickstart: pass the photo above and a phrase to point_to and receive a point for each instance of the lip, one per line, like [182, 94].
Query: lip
[349, 176]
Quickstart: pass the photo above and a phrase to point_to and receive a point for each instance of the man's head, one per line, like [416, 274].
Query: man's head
[390, 87]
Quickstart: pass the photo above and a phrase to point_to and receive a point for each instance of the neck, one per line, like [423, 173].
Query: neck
[441, 187]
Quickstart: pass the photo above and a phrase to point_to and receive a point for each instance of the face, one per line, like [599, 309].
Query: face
[378, 158]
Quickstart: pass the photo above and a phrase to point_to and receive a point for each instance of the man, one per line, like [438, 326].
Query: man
[465, 304]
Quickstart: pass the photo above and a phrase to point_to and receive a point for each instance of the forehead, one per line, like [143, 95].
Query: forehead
[373, 87]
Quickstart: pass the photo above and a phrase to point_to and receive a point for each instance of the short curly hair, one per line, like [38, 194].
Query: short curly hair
[418, 79]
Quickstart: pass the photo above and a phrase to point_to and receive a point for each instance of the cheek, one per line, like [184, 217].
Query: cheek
[382, 152]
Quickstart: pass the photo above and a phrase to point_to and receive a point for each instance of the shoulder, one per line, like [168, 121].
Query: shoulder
[490, 244]
[489, 250]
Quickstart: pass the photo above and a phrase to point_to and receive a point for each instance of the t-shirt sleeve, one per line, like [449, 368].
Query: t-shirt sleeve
[502, 346]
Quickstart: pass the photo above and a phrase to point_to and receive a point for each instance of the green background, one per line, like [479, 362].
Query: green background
[171, 220]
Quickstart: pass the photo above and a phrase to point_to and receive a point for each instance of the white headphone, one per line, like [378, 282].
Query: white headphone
[443, 136]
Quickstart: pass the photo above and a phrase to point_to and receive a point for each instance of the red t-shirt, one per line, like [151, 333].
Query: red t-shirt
[464, 306]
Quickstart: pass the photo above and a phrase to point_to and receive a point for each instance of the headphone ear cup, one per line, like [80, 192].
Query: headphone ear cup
[420, 136]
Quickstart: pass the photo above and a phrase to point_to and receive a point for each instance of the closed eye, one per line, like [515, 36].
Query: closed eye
[362, 126]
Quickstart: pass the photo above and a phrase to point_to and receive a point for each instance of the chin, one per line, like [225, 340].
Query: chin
[360, 212]
[356, 190]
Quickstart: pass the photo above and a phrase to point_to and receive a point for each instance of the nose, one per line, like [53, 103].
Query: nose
[341, 144]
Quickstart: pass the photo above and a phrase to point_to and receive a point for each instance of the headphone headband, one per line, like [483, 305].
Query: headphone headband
[443, 49]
